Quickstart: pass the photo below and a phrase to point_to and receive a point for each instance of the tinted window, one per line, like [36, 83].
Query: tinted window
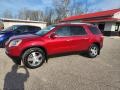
[63, 31]
[21, 29]
[77, 30]
[94, 30]
[32, 28]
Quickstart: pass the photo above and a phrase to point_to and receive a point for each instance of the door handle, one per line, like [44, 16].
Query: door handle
[85, 38]
[68, 40]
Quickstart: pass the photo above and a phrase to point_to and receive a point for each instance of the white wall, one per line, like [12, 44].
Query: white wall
[8, 24]
[113, 26]
[117, 15]
[108, 26]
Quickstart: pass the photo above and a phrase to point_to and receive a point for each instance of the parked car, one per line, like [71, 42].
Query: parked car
[33, 49]
[5, 34]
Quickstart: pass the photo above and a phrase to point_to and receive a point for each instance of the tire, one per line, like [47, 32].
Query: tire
[2, 45]
[93, 51]
[33, 58]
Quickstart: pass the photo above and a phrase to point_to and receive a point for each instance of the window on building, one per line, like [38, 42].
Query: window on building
[101, 26]
[117, 26]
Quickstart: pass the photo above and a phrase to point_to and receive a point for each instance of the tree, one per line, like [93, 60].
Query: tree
[75, 8]
[28, 14]
[61, 8]
[49, 15]
[7, 14]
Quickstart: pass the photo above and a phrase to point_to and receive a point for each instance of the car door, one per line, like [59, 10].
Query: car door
[80, 38]
[60, 43]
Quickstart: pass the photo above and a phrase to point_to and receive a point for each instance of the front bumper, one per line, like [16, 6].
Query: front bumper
[13, 53]
[16, 60]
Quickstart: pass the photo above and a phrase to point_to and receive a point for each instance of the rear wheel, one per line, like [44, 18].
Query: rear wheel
[93, 51]
[33, 57]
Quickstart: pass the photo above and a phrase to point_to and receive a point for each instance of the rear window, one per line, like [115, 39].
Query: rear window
[94, 30]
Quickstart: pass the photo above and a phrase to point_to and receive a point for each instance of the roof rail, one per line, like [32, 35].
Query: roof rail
[74, 23]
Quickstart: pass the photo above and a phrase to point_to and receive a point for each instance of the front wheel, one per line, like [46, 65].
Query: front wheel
[33, 57]
[93, 51]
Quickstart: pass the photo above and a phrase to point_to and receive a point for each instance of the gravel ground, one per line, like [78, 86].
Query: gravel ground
[72, 72]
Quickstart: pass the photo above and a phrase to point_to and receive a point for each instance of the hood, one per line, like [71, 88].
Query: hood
[27, 36]
[4, 32]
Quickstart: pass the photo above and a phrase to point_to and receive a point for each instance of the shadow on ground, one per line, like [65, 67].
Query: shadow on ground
[14, 80]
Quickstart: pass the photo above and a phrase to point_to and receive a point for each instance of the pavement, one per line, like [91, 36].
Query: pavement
[71, 72]
[114, 37]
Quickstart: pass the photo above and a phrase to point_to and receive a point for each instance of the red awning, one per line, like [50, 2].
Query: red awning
[101, 20]
[108, 13]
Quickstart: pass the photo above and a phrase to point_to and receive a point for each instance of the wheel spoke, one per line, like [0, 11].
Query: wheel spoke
[94, 51]
[39, 56]
[34, 54]
[35, 58]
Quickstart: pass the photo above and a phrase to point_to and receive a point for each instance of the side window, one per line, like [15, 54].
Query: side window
[33, 29]
[63, 31]
[22, 29]
[77, 30]
[94, 30]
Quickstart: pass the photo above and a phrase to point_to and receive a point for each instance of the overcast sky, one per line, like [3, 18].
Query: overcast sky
[16, 5]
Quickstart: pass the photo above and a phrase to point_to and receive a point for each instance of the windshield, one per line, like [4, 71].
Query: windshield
[45, 30]
[11, 28]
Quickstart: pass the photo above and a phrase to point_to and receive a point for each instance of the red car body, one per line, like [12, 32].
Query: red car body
[55, 45]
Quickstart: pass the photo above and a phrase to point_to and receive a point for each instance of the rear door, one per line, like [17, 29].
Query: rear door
[79, 38]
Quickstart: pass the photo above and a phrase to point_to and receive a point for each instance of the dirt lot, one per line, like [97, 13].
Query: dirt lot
[72, 72]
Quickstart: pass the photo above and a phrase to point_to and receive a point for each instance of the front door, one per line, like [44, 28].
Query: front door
[61, 43]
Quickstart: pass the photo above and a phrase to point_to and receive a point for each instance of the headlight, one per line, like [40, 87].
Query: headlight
[1, 35]
[15, 42]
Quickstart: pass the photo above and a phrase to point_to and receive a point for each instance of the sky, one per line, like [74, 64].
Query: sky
[15, 5]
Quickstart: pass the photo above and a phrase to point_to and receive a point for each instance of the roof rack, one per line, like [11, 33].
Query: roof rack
[74, 23]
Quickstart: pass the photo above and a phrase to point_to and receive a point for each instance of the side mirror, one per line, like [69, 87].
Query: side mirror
[53, 36]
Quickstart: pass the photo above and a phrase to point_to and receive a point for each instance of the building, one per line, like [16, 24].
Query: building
[108, 21]
[9, 22]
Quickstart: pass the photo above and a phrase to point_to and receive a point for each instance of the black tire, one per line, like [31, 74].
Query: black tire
[2, 45]
[95, 53]
[26, 56]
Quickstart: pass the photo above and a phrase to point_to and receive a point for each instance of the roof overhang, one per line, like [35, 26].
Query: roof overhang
[20, 20]
[102, 20]
[102, 14]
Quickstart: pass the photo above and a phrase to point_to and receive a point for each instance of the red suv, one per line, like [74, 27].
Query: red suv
[33, 49]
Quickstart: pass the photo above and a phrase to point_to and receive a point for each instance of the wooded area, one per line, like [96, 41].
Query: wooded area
[59, 9]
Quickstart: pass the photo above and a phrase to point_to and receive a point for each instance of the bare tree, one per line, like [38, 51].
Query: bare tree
[61, 8]
[75, 8]
[27, 14]
[49, 15]
[7, 14]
